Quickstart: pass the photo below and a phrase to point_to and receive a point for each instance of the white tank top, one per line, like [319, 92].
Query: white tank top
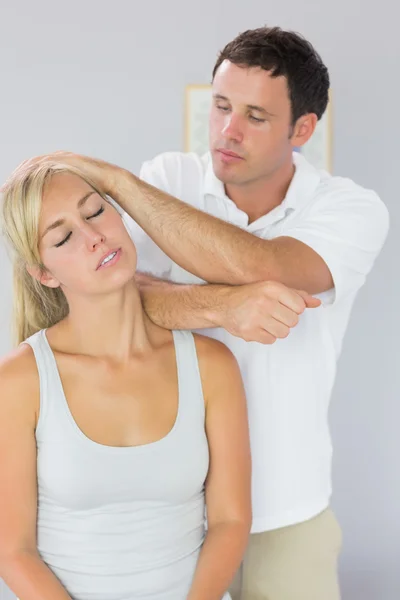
[121, 523]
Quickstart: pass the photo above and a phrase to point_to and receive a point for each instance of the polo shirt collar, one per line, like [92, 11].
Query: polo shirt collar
[212, 185]
[303, 185]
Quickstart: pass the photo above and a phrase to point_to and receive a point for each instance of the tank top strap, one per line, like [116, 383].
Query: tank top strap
[190, 386]
[47, 370]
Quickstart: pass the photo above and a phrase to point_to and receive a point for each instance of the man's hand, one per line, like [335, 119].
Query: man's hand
[262, 312]
[102, 174]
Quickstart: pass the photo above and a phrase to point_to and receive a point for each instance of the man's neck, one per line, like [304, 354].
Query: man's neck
[259, 197]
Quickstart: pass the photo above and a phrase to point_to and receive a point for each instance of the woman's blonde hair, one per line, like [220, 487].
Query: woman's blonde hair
[35, 306]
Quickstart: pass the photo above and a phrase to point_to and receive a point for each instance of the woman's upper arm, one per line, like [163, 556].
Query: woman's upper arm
[228, 484]
[19, 404]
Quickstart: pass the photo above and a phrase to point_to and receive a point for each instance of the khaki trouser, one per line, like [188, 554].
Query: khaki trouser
[298, 562]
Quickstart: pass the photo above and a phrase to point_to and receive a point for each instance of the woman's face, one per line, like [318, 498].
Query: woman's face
[84, 244]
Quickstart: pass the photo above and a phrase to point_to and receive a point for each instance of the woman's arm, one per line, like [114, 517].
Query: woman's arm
[228, 484]
[20, 564]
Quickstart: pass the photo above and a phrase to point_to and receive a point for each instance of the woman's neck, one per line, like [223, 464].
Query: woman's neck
[112, 326]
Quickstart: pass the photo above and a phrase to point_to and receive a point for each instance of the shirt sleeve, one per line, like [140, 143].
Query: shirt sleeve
[347, 228]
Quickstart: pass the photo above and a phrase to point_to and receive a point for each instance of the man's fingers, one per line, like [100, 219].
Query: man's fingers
[275, 328]
[264, 337]
[36, 161]
[296, 300]
[291, 299]
[309, 300]
[286, 315]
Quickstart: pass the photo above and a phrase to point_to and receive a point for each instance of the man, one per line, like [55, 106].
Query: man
[259, 224]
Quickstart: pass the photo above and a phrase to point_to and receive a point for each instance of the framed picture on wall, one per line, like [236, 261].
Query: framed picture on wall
[197, 108]
[318, 150]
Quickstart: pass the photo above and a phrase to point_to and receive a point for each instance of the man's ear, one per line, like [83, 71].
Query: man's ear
[43, 276]
[303, 129]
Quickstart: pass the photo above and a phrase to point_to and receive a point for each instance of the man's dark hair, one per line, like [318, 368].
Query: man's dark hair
[283, 53]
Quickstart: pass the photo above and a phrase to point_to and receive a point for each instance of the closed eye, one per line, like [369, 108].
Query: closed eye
[65, 240]
[96, 214]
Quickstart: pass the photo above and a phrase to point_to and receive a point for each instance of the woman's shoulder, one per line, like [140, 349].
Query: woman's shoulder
[210, 349]
[19, 379]
[19, 360]
[217, 363]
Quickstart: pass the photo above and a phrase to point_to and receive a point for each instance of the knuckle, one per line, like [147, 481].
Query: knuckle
[271, 286]
[300, 307]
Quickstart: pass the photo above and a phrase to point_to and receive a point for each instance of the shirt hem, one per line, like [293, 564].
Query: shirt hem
[292, 517]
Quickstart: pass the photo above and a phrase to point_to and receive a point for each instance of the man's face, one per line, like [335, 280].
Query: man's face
[250, 124]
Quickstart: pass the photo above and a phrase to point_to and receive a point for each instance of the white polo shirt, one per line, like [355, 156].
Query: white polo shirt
[288, 385]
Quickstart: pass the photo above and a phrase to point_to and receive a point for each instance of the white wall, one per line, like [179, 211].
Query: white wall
[107, 78]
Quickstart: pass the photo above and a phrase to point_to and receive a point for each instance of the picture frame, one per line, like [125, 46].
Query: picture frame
[198, 99]
[319, 148]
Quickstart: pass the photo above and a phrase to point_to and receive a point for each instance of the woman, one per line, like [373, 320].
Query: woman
[114, 432]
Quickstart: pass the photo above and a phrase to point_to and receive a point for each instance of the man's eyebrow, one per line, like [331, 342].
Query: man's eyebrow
[249, 106]
[62, 221]
[220, 97]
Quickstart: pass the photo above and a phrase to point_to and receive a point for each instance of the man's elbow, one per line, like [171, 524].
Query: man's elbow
[238, 275]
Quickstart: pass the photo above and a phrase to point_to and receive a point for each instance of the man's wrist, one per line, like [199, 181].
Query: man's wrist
[216, 313]
[118, 183]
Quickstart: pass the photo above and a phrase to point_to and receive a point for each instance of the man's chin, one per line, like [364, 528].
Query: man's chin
[222, 173]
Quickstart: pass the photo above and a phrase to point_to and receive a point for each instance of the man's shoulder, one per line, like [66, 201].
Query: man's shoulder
[174, 168]
[342, 191]
[180, 174]
[341, 202]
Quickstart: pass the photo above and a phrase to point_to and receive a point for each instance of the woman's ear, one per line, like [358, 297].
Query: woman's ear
[43, 276]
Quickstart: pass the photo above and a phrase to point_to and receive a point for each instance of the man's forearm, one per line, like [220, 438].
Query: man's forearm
[176, 306]
[215, 251]
[206, 246]
[258, 312]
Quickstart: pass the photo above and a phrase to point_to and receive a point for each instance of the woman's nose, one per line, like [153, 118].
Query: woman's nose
[93, 238]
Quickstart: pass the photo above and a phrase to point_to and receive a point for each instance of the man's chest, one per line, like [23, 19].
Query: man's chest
[269, 226]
